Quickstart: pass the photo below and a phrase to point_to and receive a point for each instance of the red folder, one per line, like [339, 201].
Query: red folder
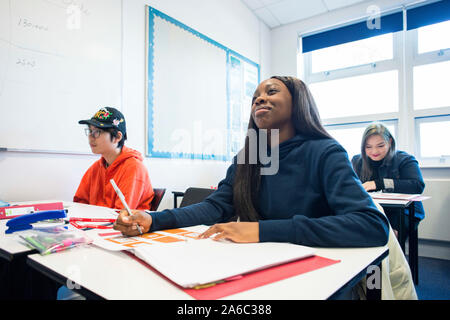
[260, 278]
[16, 211]
[253, 279]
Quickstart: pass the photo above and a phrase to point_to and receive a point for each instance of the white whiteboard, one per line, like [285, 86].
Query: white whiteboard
[60, 61]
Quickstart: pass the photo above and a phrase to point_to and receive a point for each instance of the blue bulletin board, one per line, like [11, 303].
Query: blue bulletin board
[198, 92]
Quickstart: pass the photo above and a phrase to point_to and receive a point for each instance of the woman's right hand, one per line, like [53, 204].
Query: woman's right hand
[369, 185]
[128, 224]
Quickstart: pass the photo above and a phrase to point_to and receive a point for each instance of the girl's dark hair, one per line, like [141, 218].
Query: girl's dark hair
[374, 129]
[114, 133]
[306, 121]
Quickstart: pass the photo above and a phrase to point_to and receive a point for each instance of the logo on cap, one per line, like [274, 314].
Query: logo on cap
[102, 114]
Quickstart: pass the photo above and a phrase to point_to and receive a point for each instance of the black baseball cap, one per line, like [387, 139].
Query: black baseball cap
[107, 117]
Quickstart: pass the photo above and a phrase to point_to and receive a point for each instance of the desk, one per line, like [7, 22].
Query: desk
[18, 280]
[103, 274]
[10, 244]
[413, 243]
[16, 275]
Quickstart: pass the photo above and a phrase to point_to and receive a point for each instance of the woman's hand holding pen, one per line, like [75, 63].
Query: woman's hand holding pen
[234, 231]
[128, 224]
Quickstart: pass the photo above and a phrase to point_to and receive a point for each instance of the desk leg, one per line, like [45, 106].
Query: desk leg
[176, 195]
[413, 246]
[401, 231]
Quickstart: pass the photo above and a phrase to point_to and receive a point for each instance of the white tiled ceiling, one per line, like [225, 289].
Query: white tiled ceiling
[275, 13]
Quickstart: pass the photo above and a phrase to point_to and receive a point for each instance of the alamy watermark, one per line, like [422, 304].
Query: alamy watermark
[259, 138]
[74, 11]
[373, 278]
[213, 142]
[374, 19]
[73, 277]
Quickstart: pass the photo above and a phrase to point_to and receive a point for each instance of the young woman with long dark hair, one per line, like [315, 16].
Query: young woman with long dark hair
[314, 198]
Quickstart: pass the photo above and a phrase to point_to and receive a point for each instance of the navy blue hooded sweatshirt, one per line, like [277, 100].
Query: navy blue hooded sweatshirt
[315, 199]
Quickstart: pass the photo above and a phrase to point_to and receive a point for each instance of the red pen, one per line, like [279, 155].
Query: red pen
[92, 219]
[84, 227]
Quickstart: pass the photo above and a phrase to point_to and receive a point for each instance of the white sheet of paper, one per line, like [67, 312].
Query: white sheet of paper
[80, 210]
[195, 262]
[393, 196]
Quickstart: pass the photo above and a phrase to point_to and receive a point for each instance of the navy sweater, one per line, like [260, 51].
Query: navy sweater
[315, 199]
[404, 170]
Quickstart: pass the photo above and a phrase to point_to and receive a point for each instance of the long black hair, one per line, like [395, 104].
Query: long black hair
[306, 121]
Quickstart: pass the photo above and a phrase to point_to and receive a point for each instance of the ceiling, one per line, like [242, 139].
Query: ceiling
[275, 13]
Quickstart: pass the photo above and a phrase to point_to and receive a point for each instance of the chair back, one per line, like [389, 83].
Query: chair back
[195, 195]
[159, 194]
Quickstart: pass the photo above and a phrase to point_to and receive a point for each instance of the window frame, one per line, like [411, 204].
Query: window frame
[405, 58]
[425, 115]
[364, 124]
[441, 161]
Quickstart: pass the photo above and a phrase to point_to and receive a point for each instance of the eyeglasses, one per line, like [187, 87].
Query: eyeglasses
[93, 133]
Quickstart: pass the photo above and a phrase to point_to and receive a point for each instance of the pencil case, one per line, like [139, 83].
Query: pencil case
[54, 239]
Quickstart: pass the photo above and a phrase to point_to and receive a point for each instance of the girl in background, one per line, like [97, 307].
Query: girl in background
[381, 167]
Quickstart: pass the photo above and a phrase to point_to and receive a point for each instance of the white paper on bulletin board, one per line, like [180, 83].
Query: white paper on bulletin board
[189, 106]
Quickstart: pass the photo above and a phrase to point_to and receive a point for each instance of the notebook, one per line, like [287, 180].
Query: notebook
[195, 262]
[397, 196]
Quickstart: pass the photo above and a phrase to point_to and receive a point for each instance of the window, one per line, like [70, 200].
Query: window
[357, 95]
[399, 77]
[431, 85]
[350, 135]
[430, 77]
[432, 133]
[353, 53]
[433, 37]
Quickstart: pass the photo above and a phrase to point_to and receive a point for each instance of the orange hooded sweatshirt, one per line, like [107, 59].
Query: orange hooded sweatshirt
[130, 175]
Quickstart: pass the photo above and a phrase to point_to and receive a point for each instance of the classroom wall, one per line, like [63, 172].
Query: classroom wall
[36, 176]
[284, 62]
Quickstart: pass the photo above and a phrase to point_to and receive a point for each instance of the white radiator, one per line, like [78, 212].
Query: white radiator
[436, 225]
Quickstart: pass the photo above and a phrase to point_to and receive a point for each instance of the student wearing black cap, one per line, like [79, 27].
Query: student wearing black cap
[107, 133]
